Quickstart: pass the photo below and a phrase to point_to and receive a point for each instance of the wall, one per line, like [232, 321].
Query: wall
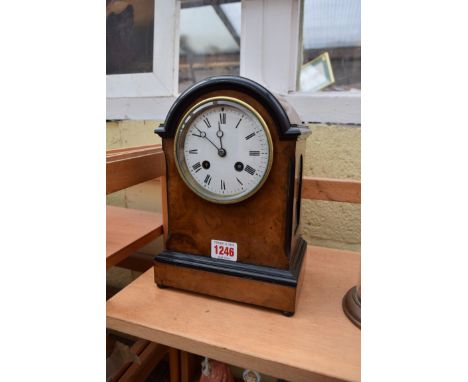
[332, 151]
[144, 196]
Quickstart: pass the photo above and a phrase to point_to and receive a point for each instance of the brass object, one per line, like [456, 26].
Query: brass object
[352, 305]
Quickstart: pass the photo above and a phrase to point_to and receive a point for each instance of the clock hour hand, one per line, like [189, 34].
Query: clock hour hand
[220, 134]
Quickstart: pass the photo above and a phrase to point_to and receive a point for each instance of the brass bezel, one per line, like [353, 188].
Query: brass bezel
[182, 166]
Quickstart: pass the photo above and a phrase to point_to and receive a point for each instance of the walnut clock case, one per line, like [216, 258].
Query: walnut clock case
[234, 155]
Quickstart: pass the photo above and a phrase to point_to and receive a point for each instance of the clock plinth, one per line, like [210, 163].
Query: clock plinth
[253, 284]
[262, 222]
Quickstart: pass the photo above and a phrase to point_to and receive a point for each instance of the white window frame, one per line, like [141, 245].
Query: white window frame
[271, 50]
[163, 80]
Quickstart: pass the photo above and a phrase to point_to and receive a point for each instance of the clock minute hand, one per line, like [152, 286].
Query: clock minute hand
[203, 135]
[209, 140]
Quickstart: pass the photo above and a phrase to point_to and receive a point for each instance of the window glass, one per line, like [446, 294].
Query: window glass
[209, 40]
[332, 45]
[129, 36]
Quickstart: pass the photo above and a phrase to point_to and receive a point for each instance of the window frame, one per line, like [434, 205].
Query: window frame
[263, 41]
[162, 81]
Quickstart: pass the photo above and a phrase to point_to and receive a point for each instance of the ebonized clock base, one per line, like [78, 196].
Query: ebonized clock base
[258, 285]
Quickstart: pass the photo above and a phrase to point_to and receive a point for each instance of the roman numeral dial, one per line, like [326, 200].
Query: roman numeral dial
[224, 151]
[207, 122]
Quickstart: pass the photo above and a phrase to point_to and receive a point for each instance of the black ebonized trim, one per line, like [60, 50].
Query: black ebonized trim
[299, 195]
[289, 208]
[300, 252]
[248, 271]
[286, 130]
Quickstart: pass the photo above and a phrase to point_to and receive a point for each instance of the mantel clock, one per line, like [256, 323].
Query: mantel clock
[234, 155]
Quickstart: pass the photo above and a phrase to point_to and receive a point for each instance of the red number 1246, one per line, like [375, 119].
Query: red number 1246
[222, 250]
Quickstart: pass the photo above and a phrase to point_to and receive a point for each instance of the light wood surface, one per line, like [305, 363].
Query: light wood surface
[317, 344]
[337, 190]
[127, 167]
[129, 152]
[128, 230]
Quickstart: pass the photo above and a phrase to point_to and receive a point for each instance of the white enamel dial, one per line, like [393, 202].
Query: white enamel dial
[223, 150]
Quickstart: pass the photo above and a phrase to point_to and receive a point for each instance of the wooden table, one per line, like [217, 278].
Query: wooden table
[317, 344]
[128, 230]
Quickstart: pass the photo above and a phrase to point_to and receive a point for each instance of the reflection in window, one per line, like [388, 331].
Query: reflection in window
[209, 41]
[333, 27]
[129, 36]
